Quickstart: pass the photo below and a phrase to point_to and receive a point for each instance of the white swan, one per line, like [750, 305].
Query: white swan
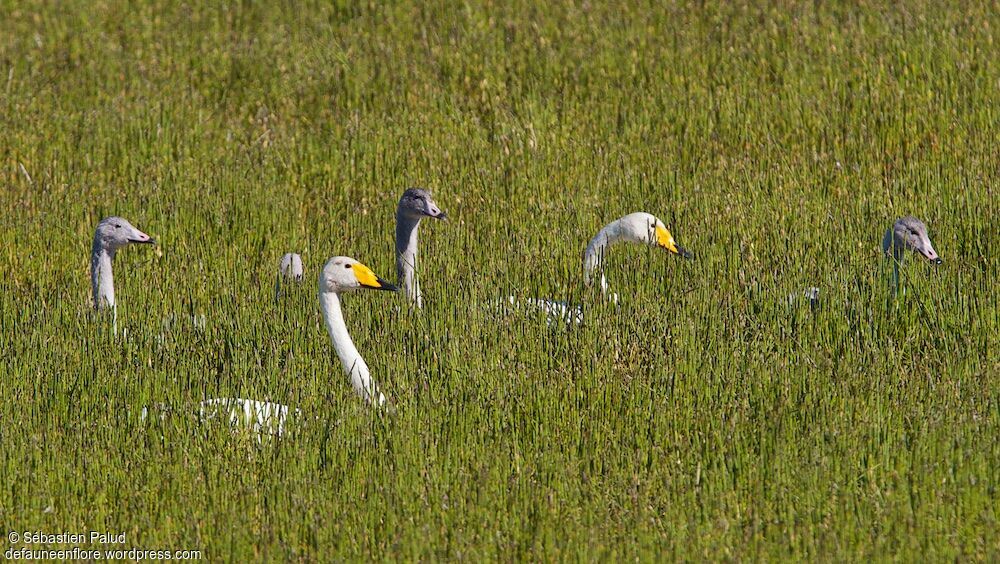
[112, 233]
[290, 270]
[414, 205]
[907, 234]
[290, 266]
[172, 323]
[340, 275]
[638, 227]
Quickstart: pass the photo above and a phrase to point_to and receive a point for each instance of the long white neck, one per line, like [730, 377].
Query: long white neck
[406, 256]
[350, 359]
[593, 257]
[101, 279]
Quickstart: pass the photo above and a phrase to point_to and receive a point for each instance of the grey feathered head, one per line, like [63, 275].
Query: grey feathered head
[114, 232]
[417, 202]
[909, 233]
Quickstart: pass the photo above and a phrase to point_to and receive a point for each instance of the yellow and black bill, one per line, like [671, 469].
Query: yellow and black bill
[665, 240]
[367, 278]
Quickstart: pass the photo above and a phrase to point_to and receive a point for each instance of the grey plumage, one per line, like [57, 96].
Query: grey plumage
[414, 205]
[909, 233]
[112, 233]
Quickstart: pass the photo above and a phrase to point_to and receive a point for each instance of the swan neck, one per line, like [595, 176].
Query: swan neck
[898, 253]
[101, 277]
[895, 277]
[892, 246]
[894, 251]
[350, 359]
[406, 256]
[593, 257]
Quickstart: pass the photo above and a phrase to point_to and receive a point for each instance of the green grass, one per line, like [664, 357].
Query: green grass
[701, 419]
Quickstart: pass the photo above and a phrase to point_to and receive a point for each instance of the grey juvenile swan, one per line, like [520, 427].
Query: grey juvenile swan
[414, 205]
[112, 233]
[907, 234]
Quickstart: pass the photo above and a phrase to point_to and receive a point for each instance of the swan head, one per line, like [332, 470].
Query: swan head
[909, 233]
[417, 203]
[115, 232]
[639, 227]
[642, 227]
[344, 274]
[291, 267]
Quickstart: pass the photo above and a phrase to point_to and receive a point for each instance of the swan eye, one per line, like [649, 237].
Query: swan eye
[118, 226]
[347, 266]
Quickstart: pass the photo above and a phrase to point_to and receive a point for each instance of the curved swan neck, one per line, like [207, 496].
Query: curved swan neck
[101, 278]
[406, 256]
[593, 257]
[350, 359]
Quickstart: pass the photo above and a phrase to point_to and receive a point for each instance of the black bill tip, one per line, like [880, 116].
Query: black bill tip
[384, 285]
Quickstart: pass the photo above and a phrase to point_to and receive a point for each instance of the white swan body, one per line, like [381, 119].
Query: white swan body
[259, 417]
[290, 267]
[555, 312]
[809, 295]
[638, 227]
[414, 205]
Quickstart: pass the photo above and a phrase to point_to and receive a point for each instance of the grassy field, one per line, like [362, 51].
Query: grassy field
[702, 418]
